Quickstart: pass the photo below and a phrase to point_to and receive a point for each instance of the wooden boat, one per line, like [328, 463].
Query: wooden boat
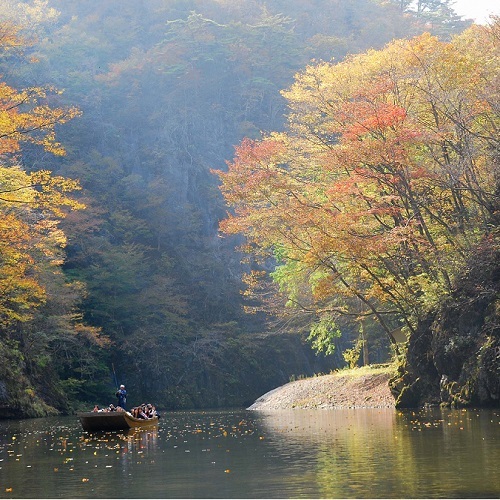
[113, 421]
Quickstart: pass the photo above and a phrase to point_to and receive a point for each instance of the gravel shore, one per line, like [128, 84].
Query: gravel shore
[358, 388]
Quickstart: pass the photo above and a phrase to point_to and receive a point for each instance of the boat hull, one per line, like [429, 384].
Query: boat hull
[113, 421]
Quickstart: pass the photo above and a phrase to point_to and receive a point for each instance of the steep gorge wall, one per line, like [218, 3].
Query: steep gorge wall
[453, 357]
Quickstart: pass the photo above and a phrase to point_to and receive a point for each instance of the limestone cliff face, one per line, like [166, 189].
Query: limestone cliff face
[454, 356]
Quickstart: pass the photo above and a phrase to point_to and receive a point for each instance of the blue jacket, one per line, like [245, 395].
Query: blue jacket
[121, 394]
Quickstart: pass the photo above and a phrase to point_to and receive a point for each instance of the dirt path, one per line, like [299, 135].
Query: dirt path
[359, 388]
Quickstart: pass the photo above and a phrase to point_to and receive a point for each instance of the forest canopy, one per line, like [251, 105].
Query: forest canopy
[114, 115]
[383, 184]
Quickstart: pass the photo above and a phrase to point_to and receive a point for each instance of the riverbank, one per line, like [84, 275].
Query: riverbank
[366, 387]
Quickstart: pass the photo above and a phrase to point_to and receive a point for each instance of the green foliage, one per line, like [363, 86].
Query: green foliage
[323, 335]
[351, 356]
[166, 90]
[17, 394]
[371, 197]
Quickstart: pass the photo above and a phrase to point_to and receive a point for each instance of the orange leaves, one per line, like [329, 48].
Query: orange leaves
[35, 125]
[26, 116]
[30, 204]
[255, 168]
[30, 238]
[378, 189]
[372, 119]
[256, 185]
[19, 290]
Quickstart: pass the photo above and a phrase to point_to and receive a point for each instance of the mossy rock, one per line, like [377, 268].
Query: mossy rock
[453, 357]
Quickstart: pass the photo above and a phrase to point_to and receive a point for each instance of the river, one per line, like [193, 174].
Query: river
[362, 453]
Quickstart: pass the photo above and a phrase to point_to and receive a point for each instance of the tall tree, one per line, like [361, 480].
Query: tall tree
[38, 307]
[383, 184]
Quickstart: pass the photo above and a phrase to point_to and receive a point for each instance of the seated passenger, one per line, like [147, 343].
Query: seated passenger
[142, 413]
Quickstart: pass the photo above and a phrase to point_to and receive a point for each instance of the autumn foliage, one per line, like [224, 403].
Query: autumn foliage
[384, 182]
[166, 89]
[38, 316]
[30, 203]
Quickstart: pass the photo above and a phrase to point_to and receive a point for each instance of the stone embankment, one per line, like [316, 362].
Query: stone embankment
[358, 388]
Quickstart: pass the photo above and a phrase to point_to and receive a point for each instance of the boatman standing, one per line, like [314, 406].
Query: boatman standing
[121, 394]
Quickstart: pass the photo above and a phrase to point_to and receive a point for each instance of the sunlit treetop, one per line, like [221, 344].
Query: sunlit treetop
[384, 182]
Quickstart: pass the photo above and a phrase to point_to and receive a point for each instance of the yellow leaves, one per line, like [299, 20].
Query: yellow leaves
[13, 186]
[19, 291]
[39, 190]
[50, 192]
[26, 117]
[30, 246]
[92, 334]
[377, 190]
[30, 238]
[9, 36]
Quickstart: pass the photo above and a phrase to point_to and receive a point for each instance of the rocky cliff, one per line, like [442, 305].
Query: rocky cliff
[453, 357]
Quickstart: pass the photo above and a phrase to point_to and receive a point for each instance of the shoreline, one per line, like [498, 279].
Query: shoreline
[365, 387]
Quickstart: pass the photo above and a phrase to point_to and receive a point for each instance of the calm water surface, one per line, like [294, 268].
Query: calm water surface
[369, 453]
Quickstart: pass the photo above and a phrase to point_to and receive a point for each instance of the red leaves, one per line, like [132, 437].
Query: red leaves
[370, 119]
[255, 169]
[381, 178]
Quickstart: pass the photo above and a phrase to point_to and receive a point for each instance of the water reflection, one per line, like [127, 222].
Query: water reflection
[373, 453]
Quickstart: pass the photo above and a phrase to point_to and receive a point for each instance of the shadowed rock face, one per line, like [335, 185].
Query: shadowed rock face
[454, 356]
